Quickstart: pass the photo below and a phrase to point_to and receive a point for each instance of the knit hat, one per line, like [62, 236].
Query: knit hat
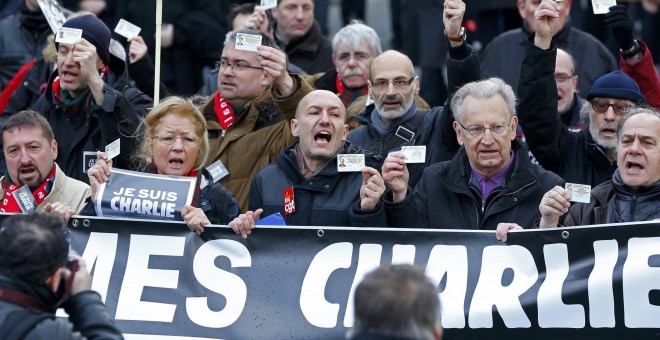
[94, 31]
[617, 85]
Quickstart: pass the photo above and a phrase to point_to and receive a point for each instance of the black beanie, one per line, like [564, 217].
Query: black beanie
[94, 31]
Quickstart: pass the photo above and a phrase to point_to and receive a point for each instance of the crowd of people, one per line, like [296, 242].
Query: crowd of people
[541, 106]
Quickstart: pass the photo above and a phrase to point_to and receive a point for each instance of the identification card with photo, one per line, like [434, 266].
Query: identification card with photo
[414, 153]
[127, 29]
[68, 35]
[580, 193]
[112, 149]
[350, 162]
[247, 42]
[602, 6]
[217, 171]
[268, 4]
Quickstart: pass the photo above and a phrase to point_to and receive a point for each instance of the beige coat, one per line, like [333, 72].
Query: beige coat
[246, 148]
[67, 190]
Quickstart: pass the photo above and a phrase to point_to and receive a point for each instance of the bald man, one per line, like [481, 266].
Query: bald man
[569, 101]
[306, 184]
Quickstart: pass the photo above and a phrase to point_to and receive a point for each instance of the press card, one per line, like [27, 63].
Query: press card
[414, 154]
[68, 35]
[25, 200]
[127, 29]
[350, 162]
[602, 6]
[217, 171]
[247, 42]
[268, 4]
[580, 193]
[112, 149]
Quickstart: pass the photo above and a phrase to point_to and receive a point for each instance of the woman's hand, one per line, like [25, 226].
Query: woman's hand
[195, 218]
[99, 173]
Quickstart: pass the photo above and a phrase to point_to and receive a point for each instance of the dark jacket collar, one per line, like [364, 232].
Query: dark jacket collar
[307, 43]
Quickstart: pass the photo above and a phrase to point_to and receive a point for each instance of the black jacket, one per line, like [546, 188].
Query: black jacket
[329, 198]
[574, 156]
[23, 36]
[117, 117]
[613, 202]
[88, 316]
[435, 131]
[311, 52]
[445, 199]
[504, 55]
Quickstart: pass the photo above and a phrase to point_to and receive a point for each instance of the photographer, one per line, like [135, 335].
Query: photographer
[36, 279]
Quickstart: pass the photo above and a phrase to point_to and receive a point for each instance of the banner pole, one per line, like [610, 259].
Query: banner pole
[159, 23]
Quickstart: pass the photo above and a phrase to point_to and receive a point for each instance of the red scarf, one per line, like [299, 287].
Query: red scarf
[56, 83]
[347, 95]
[9, 203]
[224, 112]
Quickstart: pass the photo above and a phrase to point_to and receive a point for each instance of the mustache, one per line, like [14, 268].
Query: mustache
[353, 72]
[28, 166]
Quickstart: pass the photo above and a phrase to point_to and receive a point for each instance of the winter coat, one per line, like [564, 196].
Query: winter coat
[435, 131]
[329, 198]
[574, 156]
[255, 139]
[504, 55]
[604, 199]
[88, 315]
[117, 117]
[21, 40]
[445, 198]
[312, 52]
[66, 190]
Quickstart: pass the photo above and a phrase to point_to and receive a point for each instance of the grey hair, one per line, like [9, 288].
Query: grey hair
[585, 112]
[353, 34]
[635, 111]
[484, 89]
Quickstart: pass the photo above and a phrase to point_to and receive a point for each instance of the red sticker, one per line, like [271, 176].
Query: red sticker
[289, 204]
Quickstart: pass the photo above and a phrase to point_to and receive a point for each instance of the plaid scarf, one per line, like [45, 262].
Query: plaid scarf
[151, 169]
[347, 95]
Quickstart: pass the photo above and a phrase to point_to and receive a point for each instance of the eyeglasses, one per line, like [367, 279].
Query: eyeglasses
[382, 84]
[620, 109]
[479, 130]
[240, 66]
[169, 139]
[563, 78]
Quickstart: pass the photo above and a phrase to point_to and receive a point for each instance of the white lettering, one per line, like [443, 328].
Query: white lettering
[638, 280]
[490, 292]
[368, 260]
[224, 283]
[601, 292]
[99, 256]
[316, 309]
[553, 313]
[138, 275]
[453, 262]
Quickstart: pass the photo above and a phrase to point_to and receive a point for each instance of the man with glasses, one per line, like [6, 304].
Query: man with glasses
[394, 119]
[587, 157]
[569, 100]
[490, 180]
[248, 117]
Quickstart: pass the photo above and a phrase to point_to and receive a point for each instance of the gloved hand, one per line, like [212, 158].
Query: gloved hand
[621, 25]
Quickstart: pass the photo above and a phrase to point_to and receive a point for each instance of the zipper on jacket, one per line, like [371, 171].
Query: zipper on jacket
[633, 206]
[476, 206]
[509, 194]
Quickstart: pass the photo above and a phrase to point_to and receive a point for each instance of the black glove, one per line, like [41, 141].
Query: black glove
[621, 25]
